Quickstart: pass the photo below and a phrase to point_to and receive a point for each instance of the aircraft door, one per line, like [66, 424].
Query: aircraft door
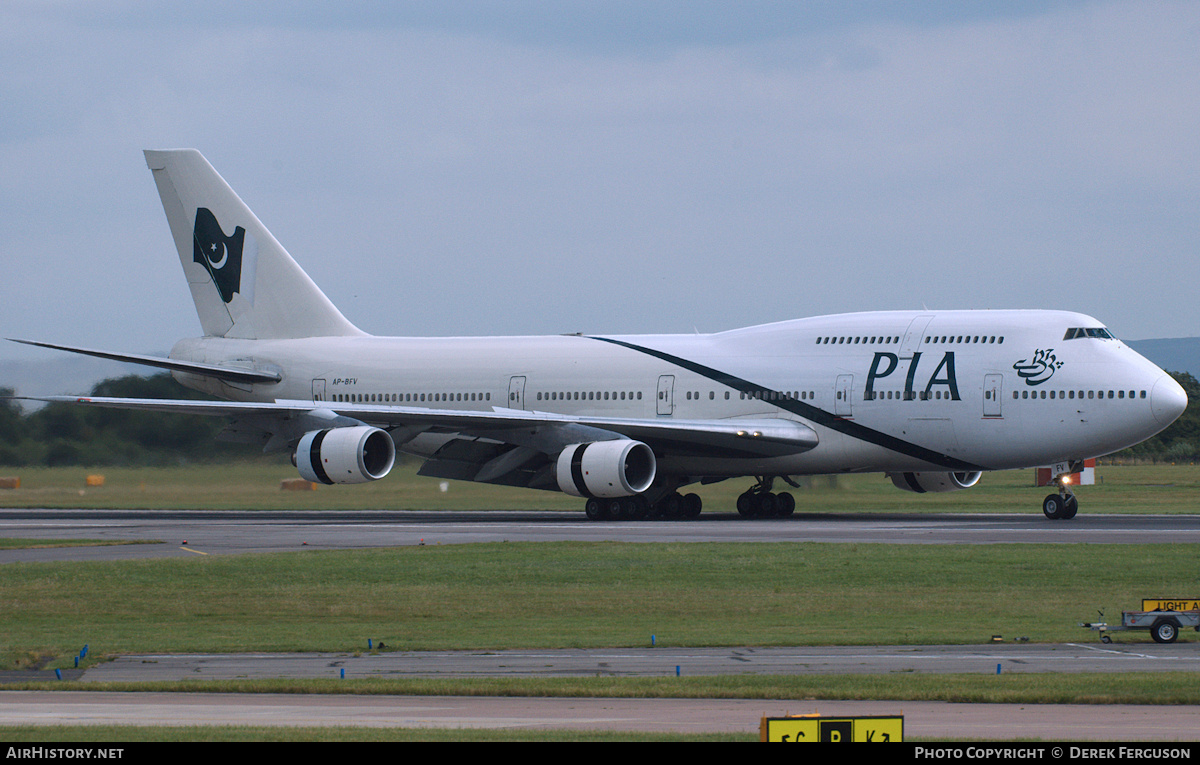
[319, 389]
[992, 387]
[841, 396]
[915, 333]
[516, 393]
[666, 394]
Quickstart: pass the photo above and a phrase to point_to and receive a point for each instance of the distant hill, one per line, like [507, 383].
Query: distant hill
[1179, 354]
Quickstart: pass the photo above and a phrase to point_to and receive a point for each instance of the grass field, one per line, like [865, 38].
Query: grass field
[542, 595]
[522, 595]
[256, 485]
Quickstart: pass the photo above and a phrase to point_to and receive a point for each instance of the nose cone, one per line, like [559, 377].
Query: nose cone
[1167, 400]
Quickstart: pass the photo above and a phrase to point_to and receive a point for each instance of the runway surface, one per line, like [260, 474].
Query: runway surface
[660, 662]
[930, 720]
[180, 534]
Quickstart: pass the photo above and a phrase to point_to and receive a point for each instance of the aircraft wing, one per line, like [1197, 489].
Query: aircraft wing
[276, 424]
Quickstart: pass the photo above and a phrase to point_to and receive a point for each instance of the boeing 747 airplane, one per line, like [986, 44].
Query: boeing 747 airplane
[933, 399]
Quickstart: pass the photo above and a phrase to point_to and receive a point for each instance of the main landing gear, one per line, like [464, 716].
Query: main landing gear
[1063, 505]
[756, 502]
[759, 502]
[637, 507]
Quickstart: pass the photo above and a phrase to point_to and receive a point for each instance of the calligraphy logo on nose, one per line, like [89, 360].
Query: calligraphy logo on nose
[1040, 368]
[221, 255]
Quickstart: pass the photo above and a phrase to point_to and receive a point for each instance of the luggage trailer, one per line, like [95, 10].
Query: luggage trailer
[1162, 617]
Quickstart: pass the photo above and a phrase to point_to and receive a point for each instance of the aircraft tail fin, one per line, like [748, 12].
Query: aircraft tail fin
[244, 283]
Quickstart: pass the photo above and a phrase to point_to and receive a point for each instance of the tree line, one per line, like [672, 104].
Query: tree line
[62, 434]
[1180, 442]
[66, 434]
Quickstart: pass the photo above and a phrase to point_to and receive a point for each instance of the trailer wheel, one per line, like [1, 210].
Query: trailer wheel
[1164, 631]
[1105, 639]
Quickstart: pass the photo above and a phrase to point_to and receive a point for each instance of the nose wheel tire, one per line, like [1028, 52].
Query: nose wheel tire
[1058, 507]
[1070, 507]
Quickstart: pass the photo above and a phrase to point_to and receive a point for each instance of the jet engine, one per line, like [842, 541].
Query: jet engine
[345, 455]
[618, 468]
[934, 482]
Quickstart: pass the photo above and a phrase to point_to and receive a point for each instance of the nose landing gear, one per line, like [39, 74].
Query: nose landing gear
[1063, 505]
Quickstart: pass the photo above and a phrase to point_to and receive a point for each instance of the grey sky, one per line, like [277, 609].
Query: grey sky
[537, 167]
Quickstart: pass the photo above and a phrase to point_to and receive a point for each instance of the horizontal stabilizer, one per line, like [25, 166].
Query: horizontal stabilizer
[230, 374]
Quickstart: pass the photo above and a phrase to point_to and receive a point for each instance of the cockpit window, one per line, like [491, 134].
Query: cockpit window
[1098, 332]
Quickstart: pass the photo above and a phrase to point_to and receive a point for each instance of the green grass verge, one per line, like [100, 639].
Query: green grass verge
[986, 687]
[577, 594]
[129, 734]
[256, 486]
[36, 544]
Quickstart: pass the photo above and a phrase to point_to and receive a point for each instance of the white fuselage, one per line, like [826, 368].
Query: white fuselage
[885, 391]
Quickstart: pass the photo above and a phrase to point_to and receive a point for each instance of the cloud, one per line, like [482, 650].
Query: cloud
[609, 170]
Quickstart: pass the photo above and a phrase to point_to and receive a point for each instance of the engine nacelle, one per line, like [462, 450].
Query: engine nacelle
[345, 455]
[934, 482]
[618, 468]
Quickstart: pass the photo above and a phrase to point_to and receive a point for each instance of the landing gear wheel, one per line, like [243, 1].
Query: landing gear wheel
[1053, 506]
[1164, 631]
[639, 507]
[746, 506]
[1105, 639]
[766, 505]
[671, 506]
[617, 509]
[785, 504]
[1070, 507]
[692, 505]
[594, 509]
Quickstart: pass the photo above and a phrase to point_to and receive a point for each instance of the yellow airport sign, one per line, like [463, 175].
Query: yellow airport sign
[1171, 604]
[832, 730]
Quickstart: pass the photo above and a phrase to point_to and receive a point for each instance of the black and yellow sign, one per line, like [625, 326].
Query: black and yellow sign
[1171, 604]
[832, 730]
